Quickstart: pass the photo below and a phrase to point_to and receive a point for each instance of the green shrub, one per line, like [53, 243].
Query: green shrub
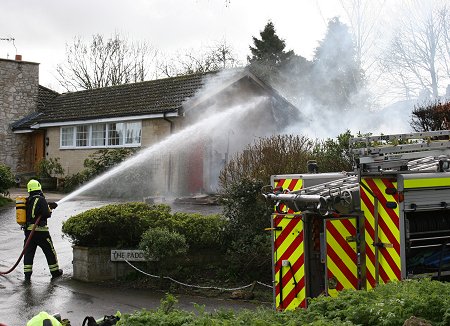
[4, 201]
[120, 225]
[6, 179]
[201, 231]
[47, 168]
[123, 225]
[248, 244]
[162, 244]
[386, 305]
[389, 304]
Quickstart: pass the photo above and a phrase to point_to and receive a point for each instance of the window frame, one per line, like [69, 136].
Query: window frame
[123, 135]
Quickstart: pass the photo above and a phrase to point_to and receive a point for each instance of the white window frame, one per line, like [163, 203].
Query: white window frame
[89, 134]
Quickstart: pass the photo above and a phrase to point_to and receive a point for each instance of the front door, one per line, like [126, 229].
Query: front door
[38, 147]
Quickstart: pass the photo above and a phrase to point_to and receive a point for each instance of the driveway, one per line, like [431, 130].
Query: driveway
[72, 299]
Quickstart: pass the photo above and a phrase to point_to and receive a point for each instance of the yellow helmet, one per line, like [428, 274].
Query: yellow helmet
[33, 185]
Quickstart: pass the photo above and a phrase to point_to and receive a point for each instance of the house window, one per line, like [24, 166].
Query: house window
[98, 135]
[116, 134]
[133, 133]
[67, 136]
[82, 138]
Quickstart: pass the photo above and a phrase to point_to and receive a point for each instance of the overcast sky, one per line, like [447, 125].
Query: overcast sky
[41, 28]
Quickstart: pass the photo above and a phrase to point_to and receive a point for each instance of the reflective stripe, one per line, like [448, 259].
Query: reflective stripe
[38, 228]
[27, 268]
[53, 268]
[34, 207]
[426, 183]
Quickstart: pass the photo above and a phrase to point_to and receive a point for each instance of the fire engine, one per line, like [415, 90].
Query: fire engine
[388, 220]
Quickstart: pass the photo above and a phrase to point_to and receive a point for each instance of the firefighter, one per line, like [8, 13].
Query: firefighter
[37, 206]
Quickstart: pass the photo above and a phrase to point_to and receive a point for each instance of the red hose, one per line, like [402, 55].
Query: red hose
[24, 248]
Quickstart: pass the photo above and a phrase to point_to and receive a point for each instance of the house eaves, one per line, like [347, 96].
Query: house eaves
[104, 120]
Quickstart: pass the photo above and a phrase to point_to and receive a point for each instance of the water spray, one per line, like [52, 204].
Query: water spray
[193, 132]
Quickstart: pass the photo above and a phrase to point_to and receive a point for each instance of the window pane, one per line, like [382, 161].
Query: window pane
[115, 134]
[98, 135]
[133, 133]
[67, 136]
[82, 136]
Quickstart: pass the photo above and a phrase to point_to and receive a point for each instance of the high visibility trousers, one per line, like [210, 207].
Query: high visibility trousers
[43, 240]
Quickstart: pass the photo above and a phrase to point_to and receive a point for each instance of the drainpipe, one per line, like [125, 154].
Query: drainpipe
[169, 176]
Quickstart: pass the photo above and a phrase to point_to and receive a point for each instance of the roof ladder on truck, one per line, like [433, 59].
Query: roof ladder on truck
[399, 153]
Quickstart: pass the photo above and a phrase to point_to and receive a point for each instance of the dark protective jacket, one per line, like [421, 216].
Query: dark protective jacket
[37, 206]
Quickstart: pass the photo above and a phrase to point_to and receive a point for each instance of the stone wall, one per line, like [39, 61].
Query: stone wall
[19, 84]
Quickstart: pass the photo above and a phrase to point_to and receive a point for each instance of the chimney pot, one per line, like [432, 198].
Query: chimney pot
[18, 57]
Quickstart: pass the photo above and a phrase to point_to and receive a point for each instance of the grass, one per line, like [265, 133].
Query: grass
[5, 201]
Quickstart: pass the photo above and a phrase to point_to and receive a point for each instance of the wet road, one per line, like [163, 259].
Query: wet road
[72, 299]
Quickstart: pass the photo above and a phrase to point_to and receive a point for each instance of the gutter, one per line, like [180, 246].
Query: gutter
[169, 121]
[169, 174]
[115, 119]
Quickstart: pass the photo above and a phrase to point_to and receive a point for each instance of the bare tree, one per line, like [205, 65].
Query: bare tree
[216, 57]
[364, 17]
[104, 62]
[416, 61]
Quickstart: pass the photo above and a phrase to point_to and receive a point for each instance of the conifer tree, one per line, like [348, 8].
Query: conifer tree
[268, 52]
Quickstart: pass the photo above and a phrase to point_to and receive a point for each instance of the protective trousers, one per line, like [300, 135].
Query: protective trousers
[43, 240]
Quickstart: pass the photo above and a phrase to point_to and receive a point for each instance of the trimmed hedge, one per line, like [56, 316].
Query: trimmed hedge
[122, 226]
[386, 305]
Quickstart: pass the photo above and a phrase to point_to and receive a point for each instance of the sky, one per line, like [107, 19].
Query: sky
[42, 28]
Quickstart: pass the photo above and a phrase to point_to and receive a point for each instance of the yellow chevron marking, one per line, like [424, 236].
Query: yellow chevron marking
[296, 254]
[339, 275]
[341, 253]
[348, 262]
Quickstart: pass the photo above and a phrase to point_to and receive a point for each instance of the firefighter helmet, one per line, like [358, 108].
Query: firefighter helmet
[33, 185]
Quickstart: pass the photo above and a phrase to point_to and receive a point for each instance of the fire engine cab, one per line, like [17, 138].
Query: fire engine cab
[388, 220]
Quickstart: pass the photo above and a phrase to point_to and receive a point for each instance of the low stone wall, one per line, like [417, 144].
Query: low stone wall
[94, 264]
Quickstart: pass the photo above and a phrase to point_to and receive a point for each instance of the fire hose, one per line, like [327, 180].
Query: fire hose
[24, 248]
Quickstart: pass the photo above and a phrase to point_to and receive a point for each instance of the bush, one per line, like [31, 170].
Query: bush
[389, 304]
[248, 244]
[6, 179]
[162, 244]
[201, 231]
[120, 225]
[47, 168]
[386, 305]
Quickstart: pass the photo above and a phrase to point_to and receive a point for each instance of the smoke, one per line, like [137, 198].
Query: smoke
[333, 94]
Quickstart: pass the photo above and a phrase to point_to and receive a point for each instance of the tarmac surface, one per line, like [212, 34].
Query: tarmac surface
[74, 300]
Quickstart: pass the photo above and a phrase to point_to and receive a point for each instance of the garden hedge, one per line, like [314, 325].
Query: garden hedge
[122, 226]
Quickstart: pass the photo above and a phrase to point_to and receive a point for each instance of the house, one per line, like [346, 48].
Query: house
[72, 126]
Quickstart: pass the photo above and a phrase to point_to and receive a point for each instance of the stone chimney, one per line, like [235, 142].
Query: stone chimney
[19, 86]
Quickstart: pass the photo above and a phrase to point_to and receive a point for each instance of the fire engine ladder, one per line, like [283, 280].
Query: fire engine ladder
[401, 152]
[320, 198]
